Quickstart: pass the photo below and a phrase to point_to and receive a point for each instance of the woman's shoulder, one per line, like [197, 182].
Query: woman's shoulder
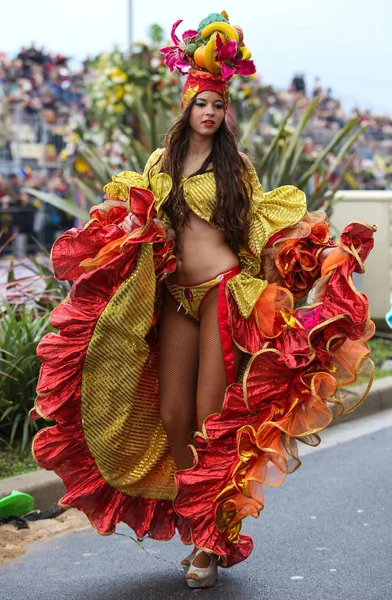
[156, 153]
[154, 161]
[248, 162]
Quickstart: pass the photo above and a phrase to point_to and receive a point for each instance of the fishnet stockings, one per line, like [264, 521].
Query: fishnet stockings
[212, 378]
[191, 372]
[177, 376]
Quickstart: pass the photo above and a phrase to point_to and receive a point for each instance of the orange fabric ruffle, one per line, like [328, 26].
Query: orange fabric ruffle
[291, 257]
[298, 365]
[299, 361]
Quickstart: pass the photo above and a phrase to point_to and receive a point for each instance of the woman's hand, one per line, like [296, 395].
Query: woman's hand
[327, 251]
[130, 223]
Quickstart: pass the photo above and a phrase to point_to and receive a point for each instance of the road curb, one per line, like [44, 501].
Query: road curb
[378, 399]
[47, 488]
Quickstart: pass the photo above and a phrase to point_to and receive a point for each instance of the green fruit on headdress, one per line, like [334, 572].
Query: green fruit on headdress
[212, 18]
[221, 27]
[190, 50]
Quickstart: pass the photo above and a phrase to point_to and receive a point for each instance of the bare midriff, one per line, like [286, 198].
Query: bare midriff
[202, 253]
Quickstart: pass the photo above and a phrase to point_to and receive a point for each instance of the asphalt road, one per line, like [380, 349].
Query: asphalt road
[325, 534]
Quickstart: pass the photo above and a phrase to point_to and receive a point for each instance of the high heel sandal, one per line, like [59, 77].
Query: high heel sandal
[189, 559]
[205, 577]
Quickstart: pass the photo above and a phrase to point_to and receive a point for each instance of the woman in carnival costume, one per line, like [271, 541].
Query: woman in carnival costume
[183, 374]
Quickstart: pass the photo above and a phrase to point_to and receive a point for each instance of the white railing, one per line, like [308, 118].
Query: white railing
[373, 207]
[365, 195]
[32, 143]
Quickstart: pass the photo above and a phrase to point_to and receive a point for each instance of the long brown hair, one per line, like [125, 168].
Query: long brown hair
[233, 187]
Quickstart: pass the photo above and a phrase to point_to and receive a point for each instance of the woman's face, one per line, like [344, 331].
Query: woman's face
[207, 113]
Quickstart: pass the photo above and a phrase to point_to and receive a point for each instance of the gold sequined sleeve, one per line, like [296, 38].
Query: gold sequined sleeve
[153, 164]
[117, 190]
[272, 211]
[269, 213]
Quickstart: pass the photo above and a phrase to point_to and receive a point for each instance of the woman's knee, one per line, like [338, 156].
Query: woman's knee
[205, 411]
[174, 423]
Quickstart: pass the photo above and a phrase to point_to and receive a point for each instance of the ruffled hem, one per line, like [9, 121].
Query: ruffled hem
[300, 359]
[100, 258]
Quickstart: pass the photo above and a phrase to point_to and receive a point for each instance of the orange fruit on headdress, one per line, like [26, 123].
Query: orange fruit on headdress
[200, 57]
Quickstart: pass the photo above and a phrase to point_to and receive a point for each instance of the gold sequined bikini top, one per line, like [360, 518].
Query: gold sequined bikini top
[269, 213]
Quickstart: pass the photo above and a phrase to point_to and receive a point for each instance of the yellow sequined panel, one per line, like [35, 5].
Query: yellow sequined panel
[119, 187]
[246, 290]
[200, 195]
[154, 162]
[273, 211]
[120, 402]
[160, 185]
[189, 95]
[191, 297]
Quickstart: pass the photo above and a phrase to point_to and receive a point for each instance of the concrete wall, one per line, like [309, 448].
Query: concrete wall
[373, 207]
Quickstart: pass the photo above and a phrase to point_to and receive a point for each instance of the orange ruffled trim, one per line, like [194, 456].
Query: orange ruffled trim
[291, 257]
[300, 360]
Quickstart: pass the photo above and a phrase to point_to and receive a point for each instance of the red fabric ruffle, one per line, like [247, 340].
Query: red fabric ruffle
[291, 258]
[303, 359]
[62, 447]
[299, 359]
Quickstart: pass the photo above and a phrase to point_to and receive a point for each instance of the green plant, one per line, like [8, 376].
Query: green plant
[283, 161]
[38, 290]
[381, 351]
[15, 461]
[21, 329]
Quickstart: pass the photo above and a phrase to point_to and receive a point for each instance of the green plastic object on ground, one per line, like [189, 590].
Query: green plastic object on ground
[16, 504]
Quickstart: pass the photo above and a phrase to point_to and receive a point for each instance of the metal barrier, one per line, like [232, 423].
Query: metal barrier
[33, 142]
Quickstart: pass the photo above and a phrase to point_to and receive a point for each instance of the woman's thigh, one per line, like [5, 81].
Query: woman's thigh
[177, 365]
[212, 378]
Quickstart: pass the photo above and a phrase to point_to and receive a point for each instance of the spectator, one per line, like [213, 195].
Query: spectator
[23, 222]
[317, 88]
[298, 84]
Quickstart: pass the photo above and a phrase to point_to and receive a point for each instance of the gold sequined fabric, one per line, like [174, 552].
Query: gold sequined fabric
[119, 397]
[189, 298]
[189, 94]
[118, 188]
[269, 213]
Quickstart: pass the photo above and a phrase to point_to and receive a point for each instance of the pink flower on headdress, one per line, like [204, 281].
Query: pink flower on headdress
[174, 55]
[229, 65]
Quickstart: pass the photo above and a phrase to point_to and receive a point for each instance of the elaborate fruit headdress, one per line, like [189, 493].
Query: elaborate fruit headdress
[211, 55]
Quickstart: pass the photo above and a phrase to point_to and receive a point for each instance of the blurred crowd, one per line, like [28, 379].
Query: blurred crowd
[41, 81]
[27, 225]
[38, 88]
[372, 153]
[40, 94]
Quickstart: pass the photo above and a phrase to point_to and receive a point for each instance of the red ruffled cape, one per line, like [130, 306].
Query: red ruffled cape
[299, 359]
